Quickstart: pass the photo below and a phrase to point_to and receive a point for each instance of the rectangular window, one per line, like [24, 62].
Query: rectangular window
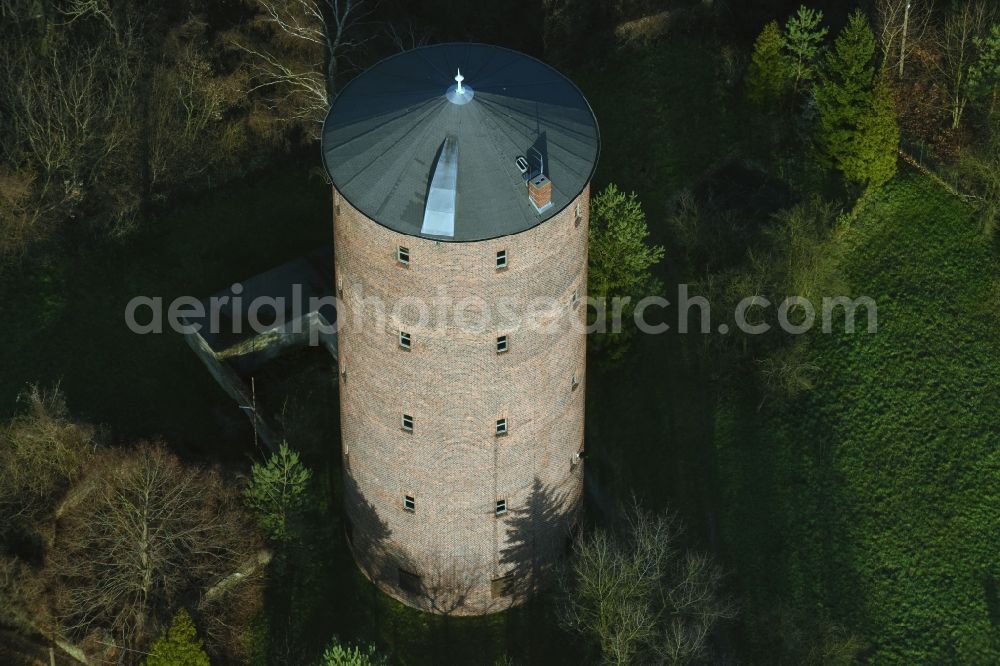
[501, 507]
[407, 423]
[575, 382]
[501, 587]
[409, 504]
[501, 427]
[501, 344]
[579, 214]
[409, 582]
[501, 259]
[404, 340]
[403, 255]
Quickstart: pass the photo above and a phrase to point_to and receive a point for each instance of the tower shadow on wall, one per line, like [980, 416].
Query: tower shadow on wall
[538, 535]
[367, 534]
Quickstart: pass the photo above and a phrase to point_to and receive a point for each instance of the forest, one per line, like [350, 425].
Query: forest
[825, 498]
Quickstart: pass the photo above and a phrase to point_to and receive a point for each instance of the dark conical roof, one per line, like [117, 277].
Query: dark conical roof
[384, 141]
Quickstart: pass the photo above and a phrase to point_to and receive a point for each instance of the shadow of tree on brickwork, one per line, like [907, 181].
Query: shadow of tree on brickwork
[367, 534]
[538, 534]
[445, 585]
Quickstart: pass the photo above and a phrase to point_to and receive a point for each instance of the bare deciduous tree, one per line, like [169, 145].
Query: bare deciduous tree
[979, 170]
[153, 532]
[901, 25]
[640, 597]
[41, 452]
[692, 595]
[312, 31]
[406, 36]
[957, 51]
[108, 105]
[188, 103]
[786, 372]
[21, 594]
[70, 120]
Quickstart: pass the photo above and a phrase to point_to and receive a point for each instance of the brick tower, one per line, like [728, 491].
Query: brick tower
[461, 177]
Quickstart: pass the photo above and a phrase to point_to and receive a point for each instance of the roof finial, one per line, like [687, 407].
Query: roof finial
[457, 93]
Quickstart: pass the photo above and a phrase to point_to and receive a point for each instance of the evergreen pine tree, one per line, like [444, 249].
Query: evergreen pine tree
[620, 265]
[984, 74]
[338, 654]
[844, 94]
[804, 37]
[873, 161]
[179, 645]
[277, 490]
[767, 76]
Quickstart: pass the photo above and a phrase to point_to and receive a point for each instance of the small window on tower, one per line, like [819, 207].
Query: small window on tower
[403, 255]
[409, 582]
[501, 507]
[579, 214]
[407, 423]
[404, 340]
[501, 259]
[575, 301]
[501, 427]
[575, 382]
[501, 344]
[409, 503]
[501, 587]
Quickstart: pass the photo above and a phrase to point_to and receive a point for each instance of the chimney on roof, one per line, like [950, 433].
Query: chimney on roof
[540, 192]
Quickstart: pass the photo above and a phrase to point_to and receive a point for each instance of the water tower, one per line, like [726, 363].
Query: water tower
[461, 177]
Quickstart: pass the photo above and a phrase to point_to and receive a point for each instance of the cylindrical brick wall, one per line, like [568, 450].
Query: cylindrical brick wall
[450, 554]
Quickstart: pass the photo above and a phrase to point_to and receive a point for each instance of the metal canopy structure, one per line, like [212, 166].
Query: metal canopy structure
[402, 123]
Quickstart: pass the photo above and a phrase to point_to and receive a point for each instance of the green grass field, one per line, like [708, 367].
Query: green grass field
[871, 503]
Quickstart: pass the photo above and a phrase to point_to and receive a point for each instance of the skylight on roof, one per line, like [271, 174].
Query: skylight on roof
[439, 211]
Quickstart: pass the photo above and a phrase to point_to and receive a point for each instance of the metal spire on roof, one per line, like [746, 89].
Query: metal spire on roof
[457, 93]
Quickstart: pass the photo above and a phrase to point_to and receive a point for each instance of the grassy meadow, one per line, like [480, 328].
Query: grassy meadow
[869, 505]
